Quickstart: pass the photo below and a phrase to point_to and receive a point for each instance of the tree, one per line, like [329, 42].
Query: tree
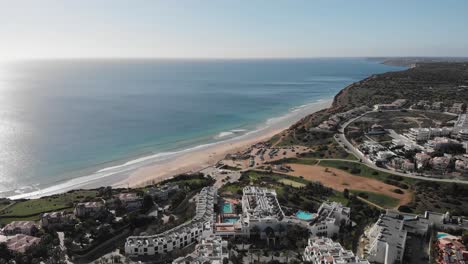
[346, 193]
[4, 251]
[171, 219]
[147, 202]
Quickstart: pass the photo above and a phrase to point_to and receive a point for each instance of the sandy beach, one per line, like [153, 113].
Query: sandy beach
[198, 159]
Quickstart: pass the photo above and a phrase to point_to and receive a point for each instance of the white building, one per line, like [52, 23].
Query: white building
[88, 209]
[397, 104]
[463, 134]
[422, 160]
[462, 123]
[385, 155]
[210, 250]
[260, 209]
[20, 227]
[462, 167]
[322, 250]
[131, 201]
[424, 134]
[57, 219]
[456, 108]
[162, 192]
[181, 236]
[331, 215]
[387, 239]
[20, 242]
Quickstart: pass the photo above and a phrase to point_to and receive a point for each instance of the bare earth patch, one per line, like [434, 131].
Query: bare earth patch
[335, 178]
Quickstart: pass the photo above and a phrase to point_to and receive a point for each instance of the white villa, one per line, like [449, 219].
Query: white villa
[210, 250]
[88, 209]
[181, 236]
[322, 250]
[56, 219]
[331, 215]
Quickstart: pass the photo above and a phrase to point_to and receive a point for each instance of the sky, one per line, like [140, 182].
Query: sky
[232, 29]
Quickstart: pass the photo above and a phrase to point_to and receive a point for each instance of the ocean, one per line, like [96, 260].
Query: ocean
[66, 120]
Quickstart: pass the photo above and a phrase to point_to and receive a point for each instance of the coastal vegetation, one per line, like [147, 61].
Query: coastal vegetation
[30, 209]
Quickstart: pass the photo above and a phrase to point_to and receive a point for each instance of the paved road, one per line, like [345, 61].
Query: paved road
[343, 141]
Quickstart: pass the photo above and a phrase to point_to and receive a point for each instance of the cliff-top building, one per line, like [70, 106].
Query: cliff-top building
[322, 250]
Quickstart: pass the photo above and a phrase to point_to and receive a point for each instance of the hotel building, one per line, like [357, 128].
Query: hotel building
[260, 209]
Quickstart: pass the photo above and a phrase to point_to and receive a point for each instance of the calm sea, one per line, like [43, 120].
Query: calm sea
[69, 118]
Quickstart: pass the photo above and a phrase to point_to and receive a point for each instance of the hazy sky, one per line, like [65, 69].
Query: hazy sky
[226, 29]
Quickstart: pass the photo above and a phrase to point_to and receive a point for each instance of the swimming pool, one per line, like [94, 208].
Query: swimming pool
[227, 208]
[230, 219]
[303, 215]
[441, 235]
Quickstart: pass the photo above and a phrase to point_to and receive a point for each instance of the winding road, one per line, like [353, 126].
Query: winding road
[341, 139]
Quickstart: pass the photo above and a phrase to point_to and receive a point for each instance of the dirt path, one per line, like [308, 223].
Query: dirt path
[339, 180]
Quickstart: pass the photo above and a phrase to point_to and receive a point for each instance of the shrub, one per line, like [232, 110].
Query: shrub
[405, 209]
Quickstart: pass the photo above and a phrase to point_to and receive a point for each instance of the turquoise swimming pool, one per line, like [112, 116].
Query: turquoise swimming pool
[230, 219]
[227, 208]
[441, 235]
[303, 215]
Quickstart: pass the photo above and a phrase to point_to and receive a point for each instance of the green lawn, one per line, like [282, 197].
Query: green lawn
[300, 161]
[292, 183]
[377, 198]
[5, 221]
[51, 203]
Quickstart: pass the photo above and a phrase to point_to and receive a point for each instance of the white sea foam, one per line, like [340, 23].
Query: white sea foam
[224, 134]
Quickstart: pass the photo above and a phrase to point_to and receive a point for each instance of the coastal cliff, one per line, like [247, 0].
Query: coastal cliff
[446, 82]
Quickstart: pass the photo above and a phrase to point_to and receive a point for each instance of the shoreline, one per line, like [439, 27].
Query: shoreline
[205, 157]
[160, 166]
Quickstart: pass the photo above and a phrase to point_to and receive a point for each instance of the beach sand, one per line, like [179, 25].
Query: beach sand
[196, 160]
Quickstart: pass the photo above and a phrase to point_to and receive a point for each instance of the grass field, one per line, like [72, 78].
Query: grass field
[377, 198]
[292, 183]
[51, 203]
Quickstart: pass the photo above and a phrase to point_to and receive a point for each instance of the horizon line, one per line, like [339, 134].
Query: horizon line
[228, 58]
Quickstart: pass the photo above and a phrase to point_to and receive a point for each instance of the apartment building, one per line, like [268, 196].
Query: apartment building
[181, 236]
[57, 219]
[322, 250]
[20, 227]
[89, 209]
[211, 249]
[387, 239]
[331, 215]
